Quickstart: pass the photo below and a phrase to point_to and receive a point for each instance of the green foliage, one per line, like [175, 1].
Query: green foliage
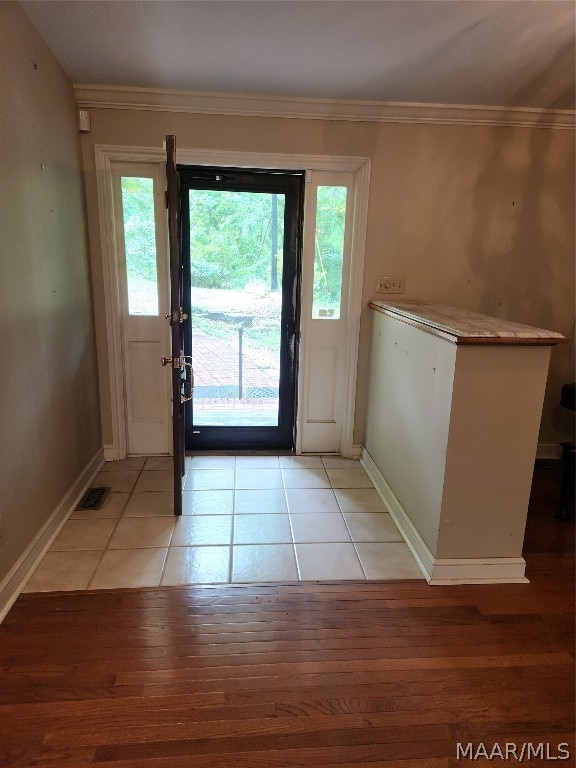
[139, 229]
[231, 237]
[329, 246]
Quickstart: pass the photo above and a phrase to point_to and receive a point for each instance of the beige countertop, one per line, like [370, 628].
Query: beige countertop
[463, 327]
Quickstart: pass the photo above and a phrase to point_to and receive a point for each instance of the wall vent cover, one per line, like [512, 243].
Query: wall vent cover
[93, 498]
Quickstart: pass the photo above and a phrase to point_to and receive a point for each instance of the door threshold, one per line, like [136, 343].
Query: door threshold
[237, 452]
[254, 452]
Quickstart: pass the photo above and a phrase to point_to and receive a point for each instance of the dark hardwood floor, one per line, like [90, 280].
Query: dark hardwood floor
[339, 674]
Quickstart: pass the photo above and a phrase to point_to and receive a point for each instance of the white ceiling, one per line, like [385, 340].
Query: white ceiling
[485, 52]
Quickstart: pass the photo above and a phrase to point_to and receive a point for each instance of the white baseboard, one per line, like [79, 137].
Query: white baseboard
[548, 451]
[497, 570]
[16, 578]
[415, 543]
[110, 453]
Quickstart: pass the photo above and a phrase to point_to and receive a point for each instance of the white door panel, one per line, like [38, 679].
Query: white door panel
[145, 395]
[325, 310]
[322, 385]
[143, 292]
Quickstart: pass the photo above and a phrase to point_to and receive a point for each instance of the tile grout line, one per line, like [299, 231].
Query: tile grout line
[355, 547]
[133, 494]
[106, 549]
[169, 546]
[298, 572]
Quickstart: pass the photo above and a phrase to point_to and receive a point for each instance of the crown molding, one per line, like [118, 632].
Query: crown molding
[156, 100]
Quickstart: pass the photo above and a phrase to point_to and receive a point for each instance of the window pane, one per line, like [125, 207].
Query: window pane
[237, 250]
[140, 245]
[329, 252]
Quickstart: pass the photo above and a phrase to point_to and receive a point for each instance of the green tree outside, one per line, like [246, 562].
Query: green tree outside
[231, 237]
[329, 248]
[139, 227]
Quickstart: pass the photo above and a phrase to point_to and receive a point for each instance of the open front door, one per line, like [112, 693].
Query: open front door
[181, 385]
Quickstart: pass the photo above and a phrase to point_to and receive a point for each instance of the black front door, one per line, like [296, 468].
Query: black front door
[241, 248]
[179, 371]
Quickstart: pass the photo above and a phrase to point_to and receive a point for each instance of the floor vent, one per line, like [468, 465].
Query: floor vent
[93, 498]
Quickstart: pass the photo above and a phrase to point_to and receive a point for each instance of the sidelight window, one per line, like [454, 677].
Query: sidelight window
[140, 245]
[329, 252]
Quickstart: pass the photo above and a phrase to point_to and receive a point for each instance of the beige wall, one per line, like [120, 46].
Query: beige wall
[49, 416]
[478, 217]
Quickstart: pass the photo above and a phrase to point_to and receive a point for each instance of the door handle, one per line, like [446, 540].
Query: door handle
[178, 362]
[191, 382]
[188, 387]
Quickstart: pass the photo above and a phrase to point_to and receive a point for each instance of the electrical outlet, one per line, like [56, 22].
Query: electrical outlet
[390, 284]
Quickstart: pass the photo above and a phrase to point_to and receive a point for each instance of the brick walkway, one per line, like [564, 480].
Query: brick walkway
[216, 366]
[216, 363]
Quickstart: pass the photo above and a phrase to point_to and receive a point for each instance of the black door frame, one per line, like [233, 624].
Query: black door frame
[291, 185]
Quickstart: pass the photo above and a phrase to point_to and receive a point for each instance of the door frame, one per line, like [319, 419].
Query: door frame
[279, 436]
[106, 156]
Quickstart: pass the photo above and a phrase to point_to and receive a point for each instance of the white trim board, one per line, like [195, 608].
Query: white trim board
[498, 570]
[109, 453]
[16, 578]
[250, 105]
[106, 155]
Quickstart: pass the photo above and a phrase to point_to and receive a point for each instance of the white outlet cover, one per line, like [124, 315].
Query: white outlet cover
[390, 285]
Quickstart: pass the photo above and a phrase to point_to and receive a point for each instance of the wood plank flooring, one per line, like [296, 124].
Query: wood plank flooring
[334, 674]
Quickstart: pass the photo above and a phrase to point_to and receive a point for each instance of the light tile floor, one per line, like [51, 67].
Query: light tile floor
[245, 519]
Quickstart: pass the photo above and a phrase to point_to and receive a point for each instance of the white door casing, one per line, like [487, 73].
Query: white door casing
[108, 158]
